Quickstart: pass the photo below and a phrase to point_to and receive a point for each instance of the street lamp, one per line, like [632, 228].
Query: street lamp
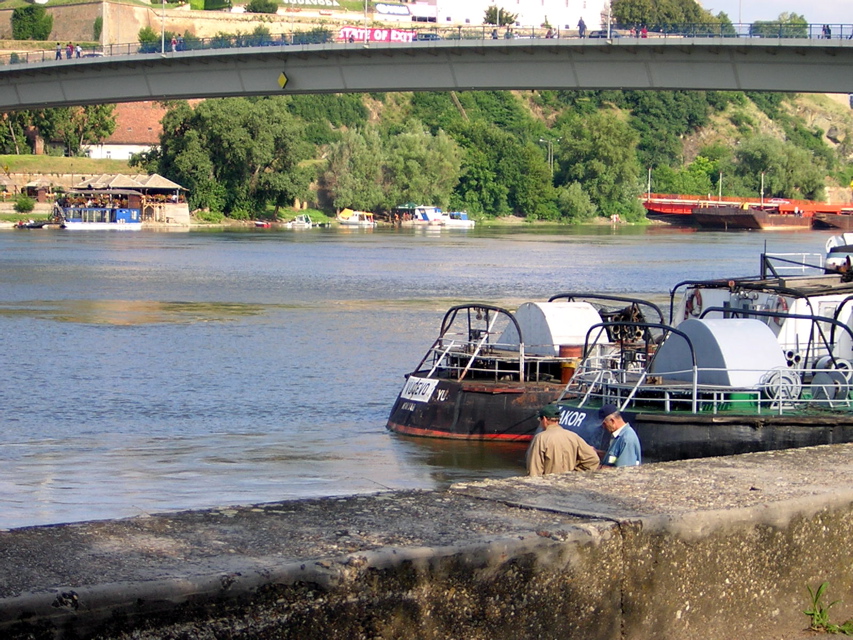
[365, 23]
[163, 29]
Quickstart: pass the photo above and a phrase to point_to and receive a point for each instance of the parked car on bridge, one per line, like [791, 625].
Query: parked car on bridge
[427, 35]
[602, 33]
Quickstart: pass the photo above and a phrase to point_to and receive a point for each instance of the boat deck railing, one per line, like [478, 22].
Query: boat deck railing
[624, 374]
[475, 359]
[796, 262]
[778, 391]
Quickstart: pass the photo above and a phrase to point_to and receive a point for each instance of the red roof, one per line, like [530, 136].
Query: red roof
[137, 123]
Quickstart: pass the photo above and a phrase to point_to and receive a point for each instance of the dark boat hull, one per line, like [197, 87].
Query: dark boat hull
[474, 410]
[670, 436]
[737, 218]
[839, 221]
[490, 411]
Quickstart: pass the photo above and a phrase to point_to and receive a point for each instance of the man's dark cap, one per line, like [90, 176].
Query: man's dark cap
[606, 411]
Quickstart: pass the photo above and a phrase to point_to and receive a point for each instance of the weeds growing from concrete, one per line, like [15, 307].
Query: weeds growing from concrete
[819, 613]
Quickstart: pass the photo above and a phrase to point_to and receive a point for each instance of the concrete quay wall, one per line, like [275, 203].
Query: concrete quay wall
[713, 548]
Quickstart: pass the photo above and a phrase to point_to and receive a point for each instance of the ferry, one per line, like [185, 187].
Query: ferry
[490, 370]
[739, 365]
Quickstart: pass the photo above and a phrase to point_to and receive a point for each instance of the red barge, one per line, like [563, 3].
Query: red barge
[748, 213]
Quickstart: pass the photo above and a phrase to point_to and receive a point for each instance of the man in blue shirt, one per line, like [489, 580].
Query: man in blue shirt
[624, 449]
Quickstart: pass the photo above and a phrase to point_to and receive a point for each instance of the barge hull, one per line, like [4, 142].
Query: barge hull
[473, 411]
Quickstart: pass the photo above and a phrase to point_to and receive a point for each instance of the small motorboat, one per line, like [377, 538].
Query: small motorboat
[351, 218]
[302, 221]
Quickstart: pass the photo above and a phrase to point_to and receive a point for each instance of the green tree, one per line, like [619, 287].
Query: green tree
[664, 15]
[697, 178]
[789, 172]
[235, 155]
[76, 126]
[421, 167]
[787, 25]
[502, 174]
[599, 151]
[499, 16]
[574, 204]
[24, 204]
[152, 41]
[97, 28]
[353, 175]
[32, 22]
[12, 134]
[481, 189]
[663, 118]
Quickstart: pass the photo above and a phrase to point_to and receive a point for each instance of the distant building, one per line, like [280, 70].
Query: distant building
[560, 14]
[137, 129]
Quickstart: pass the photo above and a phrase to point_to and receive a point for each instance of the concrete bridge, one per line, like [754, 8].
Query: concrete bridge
[755, 64]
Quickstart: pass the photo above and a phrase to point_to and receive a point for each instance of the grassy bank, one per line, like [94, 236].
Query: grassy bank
[59, 164]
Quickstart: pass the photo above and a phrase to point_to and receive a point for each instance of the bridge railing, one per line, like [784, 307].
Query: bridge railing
[355, 37]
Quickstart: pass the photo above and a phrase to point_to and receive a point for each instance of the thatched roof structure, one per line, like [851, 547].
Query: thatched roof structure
[120, 181]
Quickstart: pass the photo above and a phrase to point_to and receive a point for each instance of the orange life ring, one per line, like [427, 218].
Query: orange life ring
[780, 308]
[693, 306]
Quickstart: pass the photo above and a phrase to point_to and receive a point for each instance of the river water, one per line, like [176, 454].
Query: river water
[147, 372]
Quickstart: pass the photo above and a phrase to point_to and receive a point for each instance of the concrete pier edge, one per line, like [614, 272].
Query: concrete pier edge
[708, 549]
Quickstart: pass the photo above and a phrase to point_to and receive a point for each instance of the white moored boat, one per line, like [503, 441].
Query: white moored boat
[350, 218]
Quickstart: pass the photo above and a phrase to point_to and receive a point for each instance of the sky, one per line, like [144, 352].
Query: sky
[815, 11]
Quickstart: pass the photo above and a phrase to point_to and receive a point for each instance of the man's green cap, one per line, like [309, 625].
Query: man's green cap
[549, 411]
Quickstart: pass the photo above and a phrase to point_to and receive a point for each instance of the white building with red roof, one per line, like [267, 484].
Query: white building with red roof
[137, 129]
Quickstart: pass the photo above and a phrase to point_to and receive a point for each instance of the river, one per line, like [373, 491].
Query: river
[148, 372]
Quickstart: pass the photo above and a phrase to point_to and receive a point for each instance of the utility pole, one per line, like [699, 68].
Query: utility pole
[550, 147]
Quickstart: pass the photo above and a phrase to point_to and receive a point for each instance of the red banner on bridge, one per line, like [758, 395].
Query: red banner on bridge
[357, 34]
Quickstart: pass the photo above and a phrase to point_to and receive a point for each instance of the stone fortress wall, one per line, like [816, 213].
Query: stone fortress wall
[122, 22]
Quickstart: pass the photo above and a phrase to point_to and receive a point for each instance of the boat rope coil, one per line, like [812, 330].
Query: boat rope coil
[782, 386]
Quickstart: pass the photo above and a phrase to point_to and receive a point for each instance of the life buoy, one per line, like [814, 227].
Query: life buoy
[781, 307]
[693, 306]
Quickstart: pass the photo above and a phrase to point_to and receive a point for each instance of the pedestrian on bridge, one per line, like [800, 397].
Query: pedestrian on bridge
[58, 52]
[581, 27]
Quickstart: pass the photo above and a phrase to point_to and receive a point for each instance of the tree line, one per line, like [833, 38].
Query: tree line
[548, 155]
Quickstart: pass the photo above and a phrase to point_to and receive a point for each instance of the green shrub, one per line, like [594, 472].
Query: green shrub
[97, 28]
[24, 204]
[212, 217]
[31, 23]
[240, 214]
[262, 6]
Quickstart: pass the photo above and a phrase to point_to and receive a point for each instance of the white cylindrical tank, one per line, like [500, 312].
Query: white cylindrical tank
[729, 352]
[547, 325]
